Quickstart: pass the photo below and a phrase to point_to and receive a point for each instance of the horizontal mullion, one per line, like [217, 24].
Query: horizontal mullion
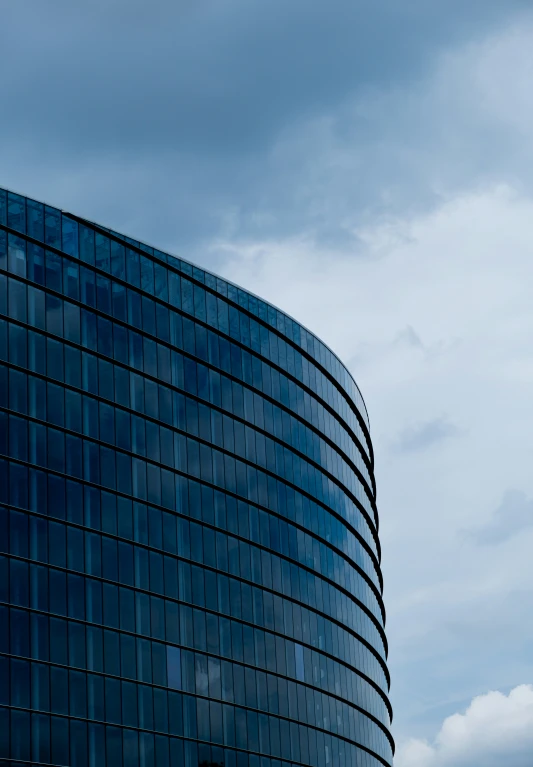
[174, 555]
[344, 393]
[188, 738]
[185, 648]
[202, 323]
[197, 438]
[149, 377]
[180, 472]
[192, 605]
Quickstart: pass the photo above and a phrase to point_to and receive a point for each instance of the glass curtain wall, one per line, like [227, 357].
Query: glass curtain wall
[189, 553]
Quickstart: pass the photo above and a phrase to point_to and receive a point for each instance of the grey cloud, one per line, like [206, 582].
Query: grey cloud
[206, 118]
[409, 337]
[514, 514]
[210, 76]
[424, 435]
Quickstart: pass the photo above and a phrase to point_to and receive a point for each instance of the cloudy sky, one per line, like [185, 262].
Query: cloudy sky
[367, 165]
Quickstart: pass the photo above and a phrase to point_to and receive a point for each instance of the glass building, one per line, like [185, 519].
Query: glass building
[189, 554]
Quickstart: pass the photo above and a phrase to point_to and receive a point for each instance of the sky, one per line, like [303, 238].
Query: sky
[367, 166]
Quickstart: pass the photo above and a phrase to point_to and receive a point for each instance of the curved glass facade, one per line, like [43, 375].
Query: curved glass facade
[189, 553]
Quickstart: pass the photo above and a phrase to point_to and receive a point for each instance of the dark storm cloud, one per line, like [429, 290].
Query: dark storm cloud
[163, 119]
[206, 76]
[424, 435]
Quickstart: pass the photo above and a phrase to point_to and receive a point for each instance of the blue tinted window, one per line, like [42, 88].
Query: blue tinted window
[52, 227]
[102, 252]
[16, 212]
[86, 244]
[3, 206]
[70, 236]
[17, 255]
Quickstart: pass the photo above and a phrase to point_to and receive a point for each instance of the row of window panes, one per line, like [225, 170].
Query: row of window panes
[302, 585]
[62, 362]
[127, 304]
[148, 525]
[131, 658]
[88, 553]
[14, 488]
[281, 467]
[102, 649]
[301, 623]
[25, 735]
[100, 334]
[49, 226]
[52, 448]
[98, 420]
[41, 446]
[271, 535]
[155, 359]
[86, 415]
[188, 671]
[48, 356]
[83, 413]
[135, 566]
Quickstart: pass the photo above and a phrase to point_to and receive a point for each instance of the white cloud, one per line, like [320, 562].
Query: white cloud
[495, 730]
